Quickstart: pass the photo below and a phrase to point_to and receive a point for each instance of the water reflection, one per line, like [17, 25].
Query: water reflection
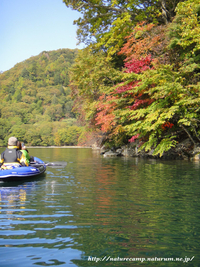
[102, 207]
[13, 196]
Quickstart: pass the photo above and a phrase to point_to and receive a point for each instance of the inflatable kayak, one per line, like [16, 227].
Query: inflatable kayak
[18, 172]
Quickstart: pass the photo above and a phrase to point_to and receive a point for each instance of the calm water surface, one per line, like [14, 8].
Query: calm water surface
[102, 212]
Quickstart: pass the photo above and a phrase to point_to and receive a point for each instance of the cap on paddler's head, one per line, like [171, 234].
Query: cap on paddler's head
[12, 141]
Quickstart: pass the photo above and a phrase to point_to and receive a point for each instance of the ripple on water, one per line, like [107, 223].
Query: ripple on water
[97, 207]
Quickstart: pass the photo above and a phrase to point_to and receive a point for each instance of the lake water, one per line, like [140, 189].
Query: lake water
[102, 212]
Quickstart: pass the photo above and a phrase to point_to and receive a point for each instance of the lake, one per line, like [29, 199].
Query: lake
[100, 211]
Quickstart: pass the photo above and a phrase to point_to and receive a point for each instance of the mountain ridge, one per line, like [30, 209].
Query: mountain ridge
[36, 103]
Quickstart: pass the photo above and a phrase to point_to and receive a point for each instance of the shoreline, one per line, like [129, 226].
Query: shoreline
[182, 151]
[57, 147]
[54, 147]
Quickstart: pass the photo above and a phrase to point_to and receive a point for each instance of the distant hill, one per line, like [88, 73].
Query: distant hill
[36, 103]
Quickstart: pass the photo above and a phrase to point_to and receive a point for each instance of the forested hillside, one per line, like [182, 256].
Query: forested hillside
[138, 80]
[36, 103]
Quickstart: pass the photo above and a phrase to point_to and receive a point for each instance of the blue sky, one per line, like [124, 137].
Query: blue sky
[28, 27]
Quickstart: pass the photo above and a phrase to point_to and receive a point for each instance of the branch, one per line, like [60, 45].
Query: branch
[188, 134]
[164, 11]
[196, 133]
[195, 119]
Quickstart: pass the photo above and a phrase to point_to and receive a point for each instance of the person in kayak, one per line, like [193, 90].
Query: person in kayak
[23, 149]
[12, 154]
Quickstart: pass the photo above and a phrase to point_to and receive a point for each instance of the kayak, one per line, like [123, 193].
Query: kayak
[18, 172]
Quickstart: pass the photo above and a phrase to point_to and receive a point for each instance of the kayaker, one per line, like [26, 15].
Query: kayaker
[12, 154]
[25, 152]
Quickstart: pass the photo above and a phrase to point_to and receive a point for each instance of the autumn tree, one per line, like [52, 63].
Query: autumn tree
[91, 76]
[155, 104]
[105, 24]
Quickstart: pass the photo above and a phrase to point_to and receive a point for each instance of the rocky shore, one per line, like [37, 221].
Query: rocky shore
[185, 150]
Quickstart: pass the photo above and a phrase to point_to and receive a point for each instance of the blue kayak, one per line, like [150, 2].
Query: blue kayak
[18, 172]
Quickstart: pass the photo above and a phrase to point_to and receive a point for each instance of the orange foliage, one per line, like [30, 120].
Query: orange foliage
[105, 116]
[144, 40]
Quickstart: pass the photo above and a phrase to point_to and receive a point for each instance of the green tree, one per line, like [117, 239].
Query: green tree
[25, 73]
[45, 131]
[68, 136]
[33, 71]
[107, 23]
[18, 132]
[185, 39]
[57, 78]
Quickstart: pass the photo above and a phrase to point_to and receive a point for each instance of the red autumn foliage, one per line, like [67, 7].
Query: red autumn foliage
[133, 138]
[167, 125]
[107, 104]
[140, 102]
[127, 87]
[138, 65]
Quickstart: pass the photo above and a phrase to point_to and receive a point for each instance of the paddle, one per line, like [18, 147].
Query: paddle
[56, 164]
[60, 164]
